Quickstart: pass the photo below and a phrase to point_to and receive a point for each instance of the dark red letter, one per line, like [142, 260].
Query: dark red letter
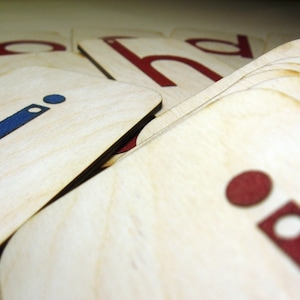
[291, 246]
[243, 46]
[4, 51]
[144, 64]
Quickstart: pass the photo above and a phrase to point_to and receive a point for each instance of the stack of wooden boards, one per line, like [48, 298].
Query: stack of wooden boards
[207, 206]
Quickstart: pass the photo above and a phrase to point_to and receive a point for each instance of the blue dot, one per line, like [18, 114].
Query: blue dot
[54, 99]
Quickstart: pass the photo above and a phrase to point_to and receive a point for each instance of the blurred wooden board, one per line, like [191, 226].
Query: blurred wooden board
[217, 192]
[293, 64]
[173, 68]
[97, 32]
[274, 40]
[211, 93]
[266, 74]
[288, 85]
[54, 125]
[254, 79]
[60, 60]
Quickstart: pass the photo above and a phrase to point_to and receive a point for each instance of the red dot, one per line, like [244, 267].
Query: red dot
[248, 188]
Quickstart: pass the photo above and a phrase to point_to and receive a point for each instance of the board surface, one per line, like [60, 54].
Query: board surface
[171, 219]
[288, 50]
[54, 125]
[54, 21]
[60, 60]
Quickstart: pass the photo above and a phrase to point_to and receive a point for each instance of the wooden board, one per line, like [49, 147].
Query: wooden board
[274, 40]
[288, 66]
[266, 74]
[286, 85]
[235, 49]
[60, 60]
[96, 32]
[281, 68]
[54, 125]
[254, 79]
[210, 207]
[173, 68]
[203, 98]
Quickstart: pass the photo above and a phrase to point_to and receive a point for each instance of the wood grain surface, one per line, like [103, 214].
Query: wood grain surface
[48, 144]
[60, 60]
[183, 216]
[173, 68]
[288, 50]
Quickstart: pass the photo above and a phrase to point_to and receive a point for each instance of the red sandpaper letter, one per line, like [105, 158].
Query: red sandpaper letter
[144, 64]
[5, 51]
[291, 246]
[243, 46]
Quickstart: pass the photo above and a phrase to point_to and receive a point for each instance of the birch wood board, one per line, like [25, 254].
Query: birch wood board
[256, 78]
[274, 40]
[197, 101]
[290, 63]
[287, 85]
[17, 42]
[231, 48]
[46, 144]
[277, 84]
[60, 60]
[185, 70]
[252, 79]
[278, 66]
[178, 226]
[291, 59]
[96, 32]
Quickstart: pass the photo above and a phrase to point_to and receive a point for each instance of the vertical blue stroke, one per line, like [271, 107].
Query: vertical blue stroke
[20, 118]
